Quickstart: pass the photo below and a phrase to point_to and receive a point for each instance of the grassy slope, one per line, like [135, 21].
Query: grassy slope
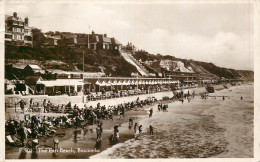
[72, 59]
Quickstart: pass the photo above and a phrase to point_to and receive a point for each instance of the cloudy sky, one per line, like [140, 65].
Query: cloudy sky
[213, 32]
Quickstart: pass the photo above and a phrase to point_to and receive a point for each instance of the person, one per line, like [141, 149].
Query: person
[182, 100]
[151, 112]
[135, 127]
[22, 134]
[116, 132]
[31, 102]
[159, 107]
[56, 144]
[44, 105]
[140, 129]
[241, 98]
[130, 122]
[223, 98]
[151, 129]
[99, 132]
[22, 103]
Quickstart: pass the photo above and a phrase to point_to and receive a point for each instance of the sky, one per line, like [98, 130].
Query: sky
[221, 33]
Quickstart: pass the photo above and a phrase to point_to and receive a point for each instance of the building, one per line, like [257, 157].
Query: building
[33, 70]
[171, 65]
[17, 31]
[100, 41]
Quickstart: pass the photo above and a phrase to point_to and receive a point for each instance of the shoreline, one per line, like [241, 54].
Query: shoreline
[223, 136]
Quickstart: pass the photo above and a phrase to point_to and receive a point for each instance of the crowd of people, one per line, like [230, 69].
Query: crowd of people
[37, 127]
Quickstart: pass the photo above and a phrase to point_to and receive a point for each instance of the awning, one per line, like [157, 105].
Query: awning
[60, 82]
[114, 82]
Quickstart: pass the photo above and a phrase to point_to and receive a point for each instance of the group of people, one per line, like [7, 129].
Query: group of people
[36, 127]
[162, 107]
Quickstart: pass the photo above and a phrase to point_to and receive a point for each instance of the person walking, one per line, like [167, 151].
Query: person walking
[151, 112]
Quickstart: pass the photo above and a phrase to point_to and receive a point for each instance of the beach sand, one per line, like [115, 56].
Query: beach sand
[199, 129]
[211, 128]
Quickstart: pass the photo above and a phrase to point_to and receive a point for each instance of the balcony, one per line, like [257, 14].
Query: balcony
[8, 32]
[28, 34]
[8, 39]
[27, 42]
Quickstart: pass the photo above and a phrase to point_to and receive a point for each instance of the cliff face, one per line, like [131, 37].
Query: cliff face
[197, 66]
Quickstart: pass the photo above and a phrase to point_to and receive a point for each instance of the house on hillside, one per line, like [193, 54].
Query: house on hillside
[17, 31]
[33, 70]
[100, 41]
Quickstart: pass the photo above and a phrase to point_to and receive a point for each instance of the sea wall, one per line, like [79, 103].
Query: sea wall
[10, 100]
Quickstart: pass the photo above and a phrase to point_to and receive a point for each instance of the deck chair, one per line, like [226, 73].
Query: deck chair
[10, 140]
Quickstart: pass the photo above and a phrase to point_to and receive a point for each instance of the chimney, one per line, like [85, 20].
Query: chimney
[15, 14]
[26, 20]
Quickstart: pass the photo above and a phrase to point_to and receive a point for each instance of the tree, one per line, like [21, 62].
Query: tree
[38, 37]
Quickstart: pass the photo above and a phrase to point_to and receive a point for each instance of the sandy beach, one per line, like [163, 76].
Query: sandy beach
[199, 129]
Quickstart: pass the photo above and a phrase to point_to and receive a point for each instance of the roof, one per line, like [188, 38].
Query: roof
[61, 82]
[34, 67]
[105, 39]
[82, 41]
[114, 41]
[67, 41]
[31, 80]
[7, 17]
[94, 39]
[18, 66]
[49, 41]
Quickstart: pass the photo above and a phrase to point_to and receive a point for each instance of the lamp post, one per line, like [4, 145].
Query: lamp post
[69, 84]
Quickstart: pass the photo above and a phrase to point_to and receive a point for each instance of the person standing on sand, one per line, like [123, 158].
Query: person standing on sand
[151, 112]
[223, 98]
[140, 129]
[151, 129]
[241, 98]
[135, 127]
[22, 103]
[31, 102]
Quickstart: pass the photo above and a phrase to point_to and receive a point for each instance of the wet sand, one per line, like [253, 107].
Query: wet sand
[199, 129]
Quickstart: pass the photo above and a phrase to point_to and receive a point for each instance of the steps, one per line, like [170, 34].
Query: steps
[129, 58]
